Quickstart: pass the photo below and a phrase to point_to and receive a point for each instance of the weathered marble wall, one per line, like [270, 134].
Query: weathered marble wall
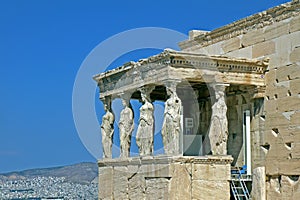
[163, 177]
[275, 129]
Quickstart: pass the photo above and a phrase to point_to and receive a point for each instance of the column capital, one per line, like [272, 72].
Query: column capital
[107, 101]
[125, 95]
[146, 91]
[171, 84]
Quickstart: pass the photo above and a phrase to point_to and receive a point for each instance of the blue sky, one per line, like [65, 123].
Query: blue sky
[42, 46]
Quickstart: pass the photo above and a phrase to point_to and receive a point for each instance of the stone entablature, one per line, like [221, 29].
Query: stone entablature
[253, 22]
[173, 65]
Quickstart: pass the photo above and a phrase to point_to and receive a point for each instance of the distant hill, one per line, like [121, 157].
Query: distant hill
[83, 173]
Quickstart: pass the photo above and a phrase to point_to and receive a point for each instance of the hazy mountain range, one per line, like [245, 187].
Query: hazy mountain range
[83, 173]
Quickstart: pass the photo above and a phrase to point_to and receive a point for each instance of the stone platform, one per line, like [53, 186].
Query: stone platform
[165, 177]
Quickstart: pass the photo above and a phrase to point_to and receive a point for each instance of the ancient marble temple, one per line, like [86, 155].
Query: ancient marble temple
[183, 81]
[230, 100]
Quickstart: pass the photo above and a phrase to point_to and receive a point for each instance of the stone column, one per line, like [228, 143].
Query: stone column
[145, 131]
[107, 128]
[218, 130]
[171, 128]
[258, 191]
[126, 125]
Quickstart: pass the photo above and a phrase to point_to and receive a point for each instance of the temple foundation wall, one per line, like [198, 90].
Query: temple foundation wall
[165, 177]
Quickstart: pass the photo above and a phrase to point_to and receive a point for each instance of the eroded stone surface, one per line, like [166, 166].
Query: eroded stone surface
[157, 188]
[120, 183]
[294, 56]
[232, 44]
[283, 187]
[136, 187]
[164, 178]
[263, 49]
[210, 190]
[106, 177]
[295, 24]
[259, 184]
[253, 37]
[180, 183]
[214, 172]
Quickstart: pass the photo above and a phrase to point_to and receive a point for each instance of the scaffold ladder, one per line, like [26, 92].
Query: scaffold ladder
[239, 188]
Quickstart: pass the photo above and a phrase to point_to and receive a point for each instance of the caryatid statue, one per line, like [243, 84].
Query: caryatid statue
[218, 130]
[145, 131]
[171, 128]
[107, 128]
[126, 126]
